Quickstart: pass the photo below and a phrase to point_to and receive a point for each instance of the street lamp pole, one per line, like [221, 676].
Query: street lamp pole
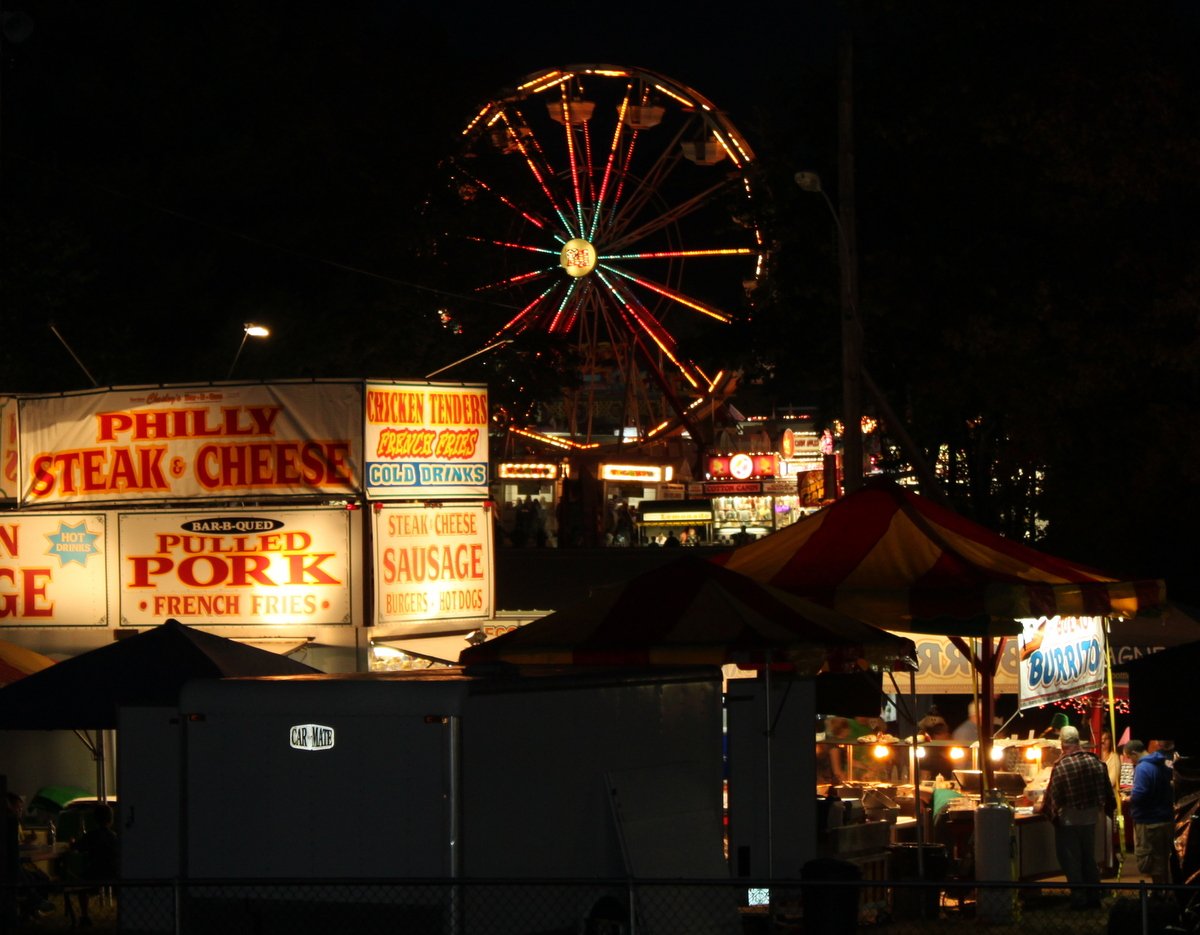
[249, 330]
[852, 339]
[852, 330]
[843, 220]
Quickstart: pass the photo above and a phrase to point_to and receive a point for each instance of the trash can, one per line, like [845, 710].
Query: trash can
[918, 902]
[830, 909]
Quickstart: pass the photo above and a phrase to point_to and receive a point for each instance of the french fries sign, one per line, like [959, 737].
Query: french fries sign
[425, 441]
[234, 567]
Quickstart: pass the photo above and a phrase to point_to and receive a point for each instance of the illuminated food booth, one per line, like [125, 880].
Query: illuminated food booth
[748, 492]
[659, 519]
[527, 494]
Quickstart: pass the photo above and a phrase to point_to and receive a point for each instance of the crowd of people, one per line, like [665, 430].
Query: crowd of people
[1087, 785]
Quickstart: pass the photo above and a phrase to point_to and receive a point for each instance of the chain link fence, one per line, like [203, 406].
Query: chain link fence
[618, 907]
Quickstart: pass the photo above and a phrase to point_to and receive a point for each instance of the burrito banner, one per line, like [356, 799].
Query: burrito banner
[172, 443]
[52, 570]
[1061, 657]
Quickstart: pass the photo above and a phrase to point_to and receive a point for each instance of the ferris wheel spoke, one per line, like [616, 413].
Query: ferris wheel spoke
[520, 141]
[572, 157]
[672, 215]
[511, 245]
[517, 280]
[598, 206]
[672, 294]
[652, 328]
[564, 317]
[526, 316]
[652, 181]
[678, 254]
[535, 220]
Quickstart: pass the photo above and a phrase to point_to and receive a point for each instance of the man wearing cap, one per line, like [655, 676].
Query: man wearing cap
[1152, 805]
[1077, 796]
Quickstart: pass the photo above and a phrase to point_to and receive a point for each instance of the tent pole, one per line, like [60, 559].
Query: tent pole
[98, 755]
[1112, 723]
[770, 793]
[915, 774]
[987, 683]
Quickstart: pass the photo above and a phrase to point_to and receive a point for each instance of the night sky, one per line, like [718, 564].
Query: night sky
[1026, 189]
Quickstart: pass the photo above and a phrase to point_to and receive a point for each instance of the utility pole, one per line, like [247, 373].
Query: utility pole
[852, 330]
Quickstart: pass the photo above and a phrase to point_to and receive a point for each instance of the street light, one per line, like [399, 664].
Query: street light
[249, 330]
[852, 336]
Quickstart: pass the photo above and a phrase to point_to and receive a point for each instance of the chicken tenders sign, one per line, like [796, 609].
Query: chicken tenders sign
[190, 442]
[426, 441]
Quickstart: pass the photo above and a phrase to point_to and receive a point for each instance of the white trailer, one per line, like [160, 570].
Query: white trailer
[438, 775]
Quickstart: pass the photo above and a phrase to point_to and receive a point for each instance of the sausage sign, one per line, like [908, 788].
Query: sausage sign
[433, 562]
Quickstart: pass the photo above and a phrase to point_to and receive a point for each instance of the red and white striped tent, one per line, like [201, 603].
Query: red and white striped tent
[693, 612]
[16, 662]
[900, 561]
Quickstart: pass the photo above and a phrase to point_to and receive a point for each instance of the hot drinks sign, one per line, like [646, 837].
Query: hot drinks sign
[235, 566]
[52, 570]
[190, 442]
[426, 441]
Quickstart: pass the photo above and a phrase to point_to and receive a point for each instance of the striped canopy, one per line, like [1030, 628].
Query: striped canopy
[16, 662]
[693, 612]
[897, 560]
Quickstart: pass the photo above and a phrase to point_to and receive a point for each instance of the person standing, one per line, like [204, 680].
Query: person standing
[1077, 796]
[1152, 806]
[968, 731]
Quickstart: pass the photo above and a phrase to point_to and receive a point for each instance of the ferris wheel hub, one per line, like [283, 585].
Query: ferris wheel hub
[578, 257]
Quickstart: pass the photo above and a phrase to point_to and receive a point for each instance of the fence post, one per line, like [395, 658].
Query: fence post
[632, 908]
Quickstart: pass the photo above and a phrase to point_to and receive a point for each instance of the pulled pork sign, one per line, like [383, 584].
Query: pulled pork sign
[234, 567]
[174, 443]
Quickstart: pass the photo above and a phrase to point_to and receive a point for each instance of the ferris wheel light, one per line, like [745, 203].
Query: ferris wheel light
[567, 172]
[578, 257]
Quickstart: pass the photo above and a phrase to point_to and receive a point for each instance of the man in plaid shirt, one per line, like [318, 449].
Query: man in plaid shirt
[1078, 795]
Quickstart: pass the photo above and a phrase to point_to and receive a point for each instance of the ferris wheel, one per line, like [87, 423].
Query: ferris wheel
[610, 208]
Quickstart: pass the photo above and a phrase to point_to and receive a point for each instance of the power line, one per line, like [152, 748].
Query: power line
[258, 241]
